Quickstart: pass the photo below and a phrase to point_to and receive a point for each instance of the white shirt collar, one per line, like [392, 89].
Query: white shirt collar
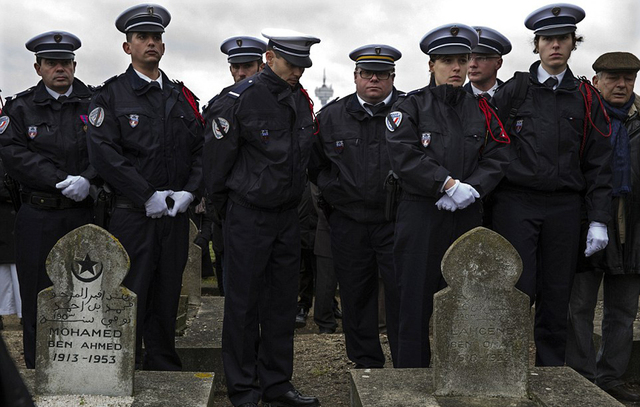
[491, 91]
[384, 102]
[56, 95]
[146, 78]
[544, 75]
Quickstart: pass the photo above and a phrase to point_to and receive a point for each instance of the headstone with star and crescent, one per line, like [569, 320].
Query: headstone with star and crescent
[86, 327]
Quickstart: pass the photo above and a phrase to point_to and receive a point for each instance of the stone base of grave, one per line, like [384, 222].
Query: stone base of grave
[558, 386]
[159, 389]
[200, 348]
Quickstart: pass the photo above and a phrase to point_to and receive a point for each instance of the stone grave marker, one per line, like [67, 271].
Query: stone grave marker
[192, 276]
[86, 327]
[481, 322]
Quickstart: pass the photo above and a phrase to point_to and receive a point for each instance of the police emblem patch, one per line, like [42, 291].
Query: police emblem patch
[32, 132]
[217, 130]
[518, 126]
[265, 136]
[4, 123]
[96, 117]
[393, 120]
[339, 146]
[133, 120]
[425, 139]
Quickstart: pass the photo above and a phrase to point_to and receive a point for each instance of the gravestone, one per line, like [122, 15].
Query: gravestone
[86, 327]
[192, 276]
[480, 320]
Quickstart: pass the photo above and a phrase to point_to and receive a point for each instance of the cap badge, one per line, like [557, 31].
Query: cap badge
[479, 31]
[150, 9]
[378, 50]
[393, 120]
[220, 127]
[133, 120]
[96, 117]
[33, 132]
[555, 11]
[454, 31]
[426, 139]
[239, 42]
[57, 38]
[4, 123]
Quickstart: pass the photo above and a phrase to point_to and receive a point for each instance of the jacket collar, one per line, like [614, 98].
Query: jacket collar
[355, 109]
[568, 81]
[139, 85]
[276, 84]
[42, 97]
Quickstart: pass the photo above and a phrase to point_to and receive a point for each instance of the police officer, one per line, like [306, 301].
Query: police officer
[349, 164]
[43, 137]
[563, 158]
[615, 267]
[485, 61]
[244, 56]
[446, 158]
[146, 140]
[261, 136]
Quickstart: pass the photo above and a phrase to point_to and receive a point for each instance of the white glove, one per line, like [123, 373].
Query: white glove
[597, 238]
[446, 203]
[75, 187]
[181, 199]
[156, 206]
[462, 194]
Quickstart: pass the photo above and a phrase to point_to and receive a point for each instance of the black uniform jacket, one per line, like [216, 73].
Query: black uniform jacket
[547, 134]
[259, 137]
[45, 140]
[139, 150]
[442, 132]
[349, 161]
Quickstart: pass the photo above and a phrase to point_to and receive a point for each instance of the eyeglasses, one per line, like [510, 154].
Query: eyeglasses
[479, 58]
[382, 76]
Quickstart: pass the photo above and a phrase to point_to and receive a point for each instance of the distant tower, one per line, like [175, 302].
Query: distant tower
[324, 92]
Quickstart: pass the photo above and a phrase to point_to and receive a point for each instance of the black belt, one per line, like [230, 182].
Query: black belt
[243, 202]
[44, 200]
[126, 203]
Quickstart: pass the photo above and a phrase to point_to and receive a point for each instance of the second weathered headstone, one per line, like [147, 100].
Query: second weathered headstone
[481, 322]
[86, 326]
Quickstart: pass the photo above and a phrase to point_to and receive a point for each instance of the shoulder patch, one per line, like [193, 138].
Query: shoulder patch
[236, 91]
[96, 117]
[220, 127]
[4, 123]
[393, 120]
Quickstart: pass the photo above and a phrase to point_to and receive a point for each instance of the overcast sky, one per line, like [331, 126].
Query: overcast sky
[198, 27]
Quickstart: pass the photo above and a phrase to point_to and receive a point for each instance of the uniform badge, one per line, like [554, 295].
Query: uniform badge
[518, 126]
[4, 123]
[217, 130]
[265, 136]
[339, 146]
[133, 120]
[393, 120]
[85, 120]
[96, 117]
[426, 139]
[32, 132]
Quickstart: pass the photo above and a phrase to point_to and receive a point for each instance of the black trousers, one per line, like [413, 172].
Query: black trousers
[423, 235]
[545, 230]
[158, 250]
[360, 252]
[306, 286]
[37, 231]
[262, 264]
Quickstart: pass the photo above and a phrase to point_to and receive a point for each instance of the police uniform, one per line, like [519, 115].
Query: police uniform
[537, 206]
[490, 42]
[349, 164]
[144, 139]
[259, 137]
[43, 143]
[435, 133]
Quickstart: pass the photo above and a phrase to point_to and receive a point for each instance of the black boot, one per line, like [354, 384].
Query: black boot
[292, 398]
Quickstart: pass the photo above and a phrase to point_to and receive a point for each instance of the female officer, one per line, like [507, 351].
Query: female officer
[448, 149]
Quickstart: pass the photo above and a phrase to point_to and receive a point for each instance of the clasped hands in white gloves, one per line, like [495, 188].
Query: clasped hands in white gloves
[459, 196]
[157, 206]
[597, 238]
[74, 187]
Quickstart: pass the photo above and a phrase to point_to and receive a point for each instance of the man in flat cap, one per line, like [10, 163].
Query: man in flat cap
[44, 148]
[485, 61]
[349, 164]
[616, 267]
[145, 139]
[561, 161]
[259, 137]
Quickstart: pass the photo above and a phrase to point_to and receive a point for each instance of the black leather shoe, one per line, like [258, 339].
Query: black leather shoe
[623, 392]
[301, 317]
[292, 398]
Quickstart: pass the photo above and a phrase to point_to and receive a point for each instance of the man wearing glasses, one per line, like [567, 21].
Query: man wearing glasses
[485, 61]
[349, 164]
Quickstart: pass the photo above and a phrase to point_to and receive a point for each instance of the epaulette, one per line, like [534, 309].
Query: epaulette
[97, 88]
[17, 95]
[413, 92]
[237, 90]
[328, 104]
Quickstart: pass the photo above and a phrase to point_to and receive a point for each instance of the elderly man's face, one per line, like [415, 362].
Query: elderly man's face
[616, 87]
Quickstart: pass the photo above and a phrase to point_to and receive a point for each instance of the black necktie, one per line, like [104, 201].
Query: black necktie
[374, 108]
[62, 98]
[551, 82]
